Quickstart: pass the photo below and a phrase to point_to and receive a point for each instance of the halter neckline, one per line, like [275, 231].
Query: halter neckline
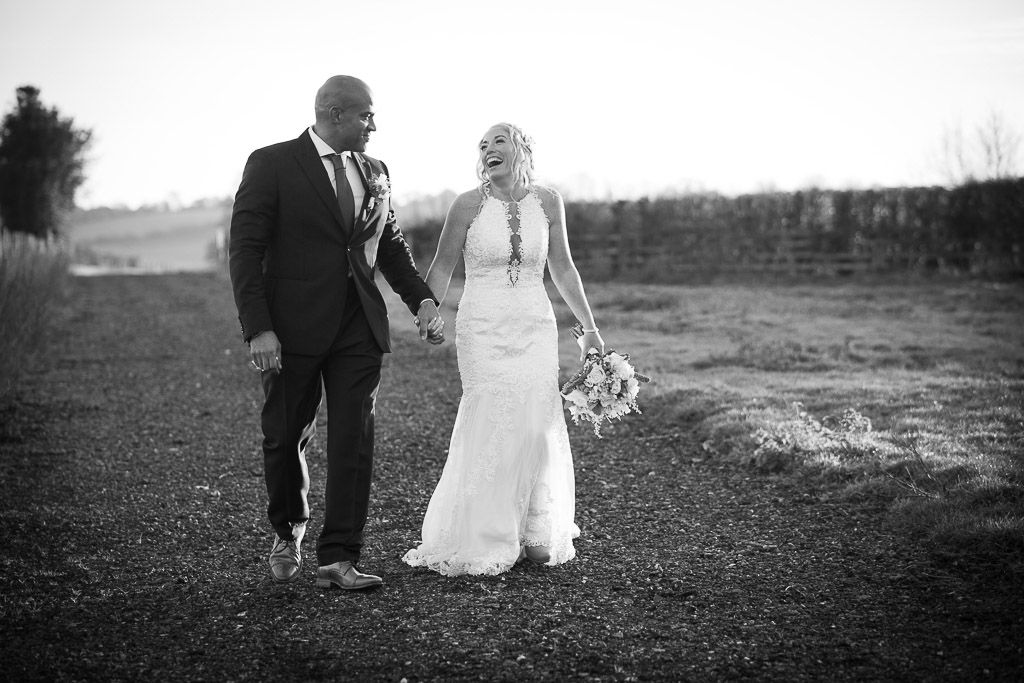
[511, 199]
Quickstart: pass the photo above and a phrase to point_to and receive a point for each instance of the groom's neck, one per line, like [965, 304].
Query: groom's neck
[327, 135]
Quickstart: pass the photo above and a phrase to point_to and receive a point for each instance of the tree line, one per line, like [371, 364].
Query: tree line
[975, 228]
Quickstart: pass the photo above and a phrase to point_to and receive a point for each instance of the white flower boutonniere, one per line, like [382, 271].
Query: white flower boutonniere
[380, 186]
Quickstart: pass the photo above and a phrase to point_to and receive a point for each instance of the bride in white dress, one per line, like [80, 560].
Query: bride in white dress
[507, 490]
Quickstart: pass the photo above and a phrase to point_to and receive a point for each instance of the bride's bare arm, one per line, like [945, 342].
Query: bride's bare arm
[449, 245]
[563, 270]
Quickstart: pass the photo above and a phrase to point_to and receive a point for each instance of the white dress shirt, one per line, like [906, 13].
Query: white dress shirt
[351, 172]
[355, 180]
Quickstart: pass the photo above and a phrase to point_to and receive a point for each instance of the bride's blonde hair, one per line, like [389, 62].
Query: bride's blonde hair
[522, 161]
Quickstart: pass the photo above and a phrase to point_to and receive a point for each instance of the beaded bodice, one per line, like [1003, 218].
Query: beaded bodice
[507, 242]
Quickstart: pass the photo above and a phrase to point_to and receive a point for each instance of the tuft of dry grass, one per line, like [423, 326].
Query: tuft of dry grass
[33, 277]
[908, 394]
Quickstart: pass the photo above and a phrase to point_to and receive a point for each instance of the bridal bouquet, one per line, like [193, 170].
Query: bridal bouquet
[604, 389]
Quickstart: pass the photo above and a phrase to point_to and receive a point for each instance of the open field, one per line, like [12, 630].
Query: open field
[725, 536]
[937, 368]
[153, 240]
[181, 239]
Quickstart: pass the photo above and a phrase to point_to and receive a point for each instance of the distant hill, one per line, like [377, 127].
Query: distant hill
[165, 238]
[88, 225]
[156, 238]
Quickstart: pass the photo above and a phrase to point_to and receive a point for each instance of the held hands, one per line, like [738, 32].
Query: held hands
[431, 325]
[265, 352]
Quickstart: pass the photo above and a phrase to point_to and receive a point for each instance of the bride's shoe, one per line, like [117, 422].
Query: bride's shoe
[540, 554]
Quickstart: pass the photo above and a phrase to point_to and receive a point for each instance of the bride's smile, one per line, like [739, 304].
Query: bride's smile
[494, 152]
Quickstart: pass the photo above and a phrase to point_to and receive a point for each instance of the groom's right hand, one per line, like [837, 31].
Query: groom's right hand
[265, 351]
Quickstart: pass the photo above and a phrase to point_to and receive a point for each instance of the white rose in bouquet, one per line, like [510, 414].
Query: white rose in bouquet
[620, 367]
[632, 387]
[577, 397]
[596, 376]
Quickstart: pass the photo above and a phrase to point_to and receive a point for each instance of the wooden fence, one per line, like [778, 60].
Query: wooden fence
[974, 229]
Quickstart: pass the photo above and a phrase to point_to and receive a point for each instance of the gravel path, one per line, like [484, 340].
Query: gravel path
[132, 510]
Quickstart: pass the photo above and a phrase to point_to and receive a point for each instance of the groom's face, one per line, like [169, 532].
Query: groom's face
[354, 122]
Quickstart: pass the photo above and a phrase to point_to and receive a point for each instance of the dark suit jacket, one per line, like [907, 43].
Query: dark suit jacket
[290, 254]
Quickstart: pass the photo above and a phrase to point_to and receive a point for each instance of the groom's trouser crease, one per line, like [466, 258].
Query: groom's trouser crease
[350, 373]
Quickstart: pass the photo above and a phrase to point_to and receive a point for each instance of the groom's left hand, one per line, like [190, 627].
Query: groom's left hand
[430, 323]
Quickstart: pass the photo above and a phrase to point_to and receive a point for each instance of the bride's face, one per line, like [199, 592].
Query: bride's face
[497, 152]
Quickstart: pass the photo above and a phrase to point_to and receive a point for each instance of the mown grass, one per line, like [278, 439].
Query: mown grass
[910, 394]
[33, 277]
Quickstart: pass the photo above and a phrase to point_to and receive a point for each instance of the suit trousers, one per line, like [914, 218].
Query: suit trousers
[349, 374]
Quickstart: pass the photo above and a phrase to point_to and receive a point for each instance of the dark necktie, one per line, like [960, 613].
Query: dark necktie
[346, 202]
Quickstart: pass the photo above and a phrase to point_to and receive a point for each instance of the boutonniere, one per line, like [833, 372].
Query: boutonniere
[380, 186]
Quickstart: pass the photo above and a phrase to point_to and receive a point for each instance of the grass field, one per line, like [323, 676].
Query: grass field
[767, 375]
[152, 240]
[33, 282]
[908, 393]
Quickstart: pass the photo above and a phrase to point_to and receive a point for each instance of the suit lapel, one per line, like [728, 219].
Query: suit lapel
[365, 224]
[313, 168]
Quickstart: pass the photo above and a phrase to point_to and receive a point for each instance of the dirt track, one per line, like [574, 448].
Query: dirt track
[131, 503]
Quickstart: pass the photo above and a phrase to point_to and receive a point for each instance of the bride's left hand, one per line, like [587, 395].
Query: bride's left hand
[590, 340]
[430, 323]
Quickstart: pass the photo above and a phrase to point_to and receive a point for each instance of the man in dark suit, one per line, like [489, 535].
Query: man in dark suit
[312, 223]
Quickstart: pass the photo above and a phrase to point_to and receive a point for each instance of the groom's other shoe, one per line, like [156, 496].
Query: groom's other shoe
[285, 556]
[344, 575]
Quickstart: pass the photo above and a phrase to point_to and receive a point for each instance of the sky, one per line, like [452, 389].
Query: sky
[621, 98]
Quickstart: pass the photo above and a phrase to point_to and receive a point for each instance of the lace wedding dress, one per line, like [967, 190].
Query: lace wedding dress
[508, 480]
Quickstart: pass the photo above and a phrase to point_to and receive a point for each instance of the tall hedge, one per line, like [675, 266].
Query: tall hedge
[976, 228]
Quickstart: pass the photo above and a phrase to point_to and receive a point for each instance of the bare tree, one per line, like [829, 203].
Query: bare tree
[1000, 145]
[991, 154]
[956, 167]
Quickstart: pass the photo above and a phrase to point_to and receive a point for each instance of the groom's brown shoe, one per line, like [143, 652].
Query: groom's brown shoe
[285, 556]
[344, 575]
[285, 560]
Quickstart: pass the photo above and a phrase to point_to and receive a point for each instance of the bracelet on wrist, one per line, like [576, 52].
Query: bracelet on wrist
[595, 330]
